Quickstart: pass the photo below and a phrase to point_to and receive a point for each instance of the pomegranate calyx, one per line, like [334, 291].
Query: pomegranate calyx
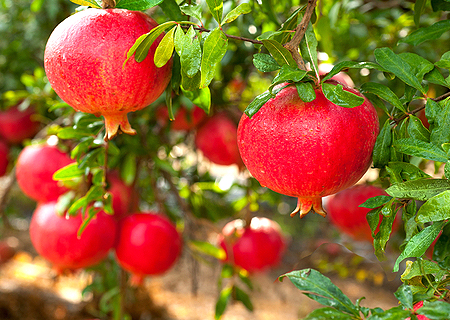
[115, 123]
[305, 205]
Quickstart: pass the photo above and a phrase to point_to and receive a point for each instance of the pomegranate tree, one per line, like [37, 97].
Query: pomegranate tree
[345, 213]
[308, 150]
[147, 244]
[84, 62]
[255, 247]
[4, 157]
[17, 125]
[216, 138]
[185, 119]
[35, 167]
[55, 237]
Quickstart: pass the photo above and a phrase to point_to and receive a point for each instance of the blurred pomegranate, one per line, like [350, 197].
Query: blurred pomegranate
[4, 158]
[124, 197]
[17, 125]
[185, 119]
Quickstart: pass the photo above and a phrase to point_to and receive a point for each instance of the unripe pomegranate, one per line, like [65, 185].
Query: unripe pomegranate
[55, 237]
[4, 158]
[123, 196]
[308, 150]
[35, 167]
[345, 213]
[216, 138]
[185, 119]
[254, 248]
[147, 244]
[17, 125]
[84, 62]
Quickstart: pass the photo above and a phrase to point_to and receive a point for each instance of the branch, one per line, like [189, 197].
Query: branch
[300, 30]
[108, 4]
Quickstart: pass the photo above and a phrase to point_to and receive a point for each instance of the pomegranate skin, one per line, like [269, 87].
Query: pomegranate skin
[217, 140]
[55, 238]
[254, 248]
[17, 125]
[84, 62]
[4, 158]
[308, 150]
[147, 244]
[35, 167]
[344, 211]
[185, 119]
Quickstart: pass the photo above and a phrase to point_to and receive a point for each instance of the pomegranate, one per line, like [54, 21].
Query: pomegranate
[123, 196]
[216, 138]
[308, 150]
[55, 237]
[255, 247]
[84, 62]
[35, 167]
[345, 213]
[185, 119]
[4, 158]
[147, 244]
[17, 125]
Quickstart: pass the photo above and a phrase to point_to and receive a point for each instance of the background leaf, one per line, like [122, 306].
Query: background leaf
[428, 33]
[242, 8]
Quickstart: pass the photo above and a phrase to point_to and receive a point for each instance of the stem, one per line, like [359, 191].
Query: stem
[300, 30]
[108, 4]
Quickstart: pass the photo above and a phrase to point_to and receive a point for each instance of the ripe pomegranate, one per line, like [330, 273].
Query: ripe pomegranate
[123, 196]
[35, 167]
[17, 125]
[4, 158]
[55, 237]
[84, 62]
[185, 119]
[345, 213]
[308, 150]
[147, 244]
[255, 247]
[216, 138]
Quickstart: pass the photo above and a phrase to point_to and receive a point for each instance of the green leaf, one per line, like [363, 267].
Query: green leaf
[243, 8]
[164, 51]
[328, 313]
[305, 91]
[343, 98]
[434, 76]
[406, 171]
[375, 202]
[441, 252]
[438, 5]
[222, 302]
[415, 269]
[193, 10]
[418, 64]
[288, 73]
[320, 288]
[214, 48]
[382, 149]
[89, 3]
[68, 172]
[421, 149]
[405, 296]
[279, 53]
[188, 48]
[73, 133]
[429, 33]
[441, 133]
[308, 48]
[419, 243]
[137, 5]
[216, 8]
[435, 310]
[393, 63]
[395, 313]
[422, 189]
[383, 235]
[418, 8]
[172, 10]
[128, 169]
[417, 130]
[435, 209]
[208, 248]
[200, 97]
[257, 103]
[265, 62]
[343, 65]
[444, 62]
[384, 93]
[243, 297]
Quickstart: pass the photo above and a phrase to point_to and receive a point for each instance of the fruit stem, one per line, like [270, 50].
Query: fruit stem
[108, 4]
[305, 205]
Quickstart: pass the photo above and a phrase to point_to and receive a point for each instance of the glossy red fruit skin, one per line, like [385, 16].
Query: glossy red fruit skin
[147, 244]
[344, 211]
[185, 119]
[255, 248]
[35, 167]
[4, 158]
[308, 150]
[55, 238]
[124, 197]
[84, 62]
[216, 138]
[17, 125]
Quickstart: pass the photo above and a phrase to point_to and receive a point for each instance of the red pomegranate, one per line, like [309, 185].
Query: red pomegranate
[55, 237]
[17, 125]
[345, 213]
[123, 196]
[147, 244]
[254, 248]
[4, 158]
[84, 62]
[216, 138]
[308, 150]
[35, 167]
[185, 119]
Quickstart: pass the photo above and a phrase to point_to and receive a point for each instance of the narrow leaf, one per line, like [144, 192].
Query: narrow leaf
[188, 48]
[382, 149]
[435, 209]
[328, 313]
[375, 202]
[435, 310]
[172, 10]
[209, 249]
[257, 103]
[138, 5]
[200, 97]
[305, 91]
[288, 73]
[405, 296]
[193, 10]
[441, 133]
[243, 8]
[417, 130]
[429, 33]
[216, 8]
[343, 65]
[418, 8]
[89, 3]
[422, 189]
[222, 302]
[214, 48]
[434, 76]
[308, 48]
[341, 97]
[265, 62]
[421, 149]
[165, 49]
[280, 53]
[384, 93]
[418, 64]
[243, 297]
[68, 172]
